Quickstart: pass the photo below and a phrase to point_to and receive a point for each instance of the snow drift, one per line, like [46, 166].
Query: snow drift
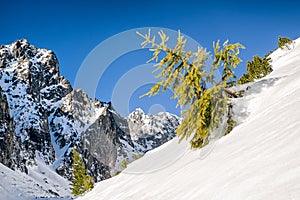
[259, 159]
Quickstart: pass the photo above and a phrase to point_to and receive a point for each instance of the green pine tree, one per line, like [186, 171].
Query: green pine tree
[259, 67]
[246, 78]
[256, 69]
[184, 73]
[81, 182]
[284, 42]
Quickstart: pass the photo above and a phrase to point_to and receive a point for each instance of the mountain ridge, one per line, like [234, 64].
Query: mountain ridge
[48, 117]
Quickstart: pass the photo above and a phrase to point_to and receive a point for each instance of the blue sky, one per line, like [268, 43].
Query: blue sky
[72, 29]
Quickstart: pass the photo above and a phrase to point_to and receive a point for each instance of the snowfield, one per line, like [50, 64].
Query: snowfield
[259, 159]
[41, 181]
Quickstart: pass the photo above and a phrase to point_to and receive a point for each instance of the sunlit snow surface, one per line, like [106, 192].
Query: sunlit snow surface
[259, 159]
[41, 181]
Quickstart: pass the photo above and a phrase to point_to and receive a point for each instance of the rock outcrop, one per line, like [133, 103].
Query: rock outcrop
[41, 114]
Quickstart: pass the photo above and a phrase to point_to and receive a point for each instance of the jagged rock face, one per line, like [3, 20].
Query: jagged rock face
[151, 131]
[78, 122]
[7, 133]
[99, 145]
[43, 114]
[73, 115]
[98, 133]
[30, 79]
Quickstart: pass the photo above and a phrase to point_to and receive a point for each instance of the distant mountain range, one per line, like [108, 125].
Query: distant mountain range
[43, 116]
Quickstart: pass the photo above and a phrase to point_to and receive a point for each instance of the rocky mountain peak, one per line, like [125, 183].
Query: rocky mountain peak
[148, 128]
[43, 115]
[31, 82]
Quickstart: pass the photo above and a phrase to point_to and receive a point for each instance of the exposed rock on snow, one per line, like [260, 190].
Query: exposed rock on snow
[41, 114]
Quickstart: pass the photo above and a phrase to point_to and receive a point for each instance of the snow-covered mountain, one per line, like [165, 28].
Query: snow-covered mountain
[43, 118]
[259, 159]
[150, 131]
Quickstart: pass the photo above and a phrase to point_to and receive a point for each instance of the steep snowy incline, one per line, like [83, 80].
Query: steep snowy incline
[259, 159]
[42, 181]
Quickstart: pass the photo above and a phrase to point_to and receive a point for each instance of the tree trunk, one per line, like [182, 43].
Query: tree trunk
[230, 93]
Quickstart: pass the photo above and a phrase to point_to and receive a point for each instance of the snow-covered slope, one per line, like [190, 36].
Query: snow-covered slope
[259, 159]
[42, 181]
